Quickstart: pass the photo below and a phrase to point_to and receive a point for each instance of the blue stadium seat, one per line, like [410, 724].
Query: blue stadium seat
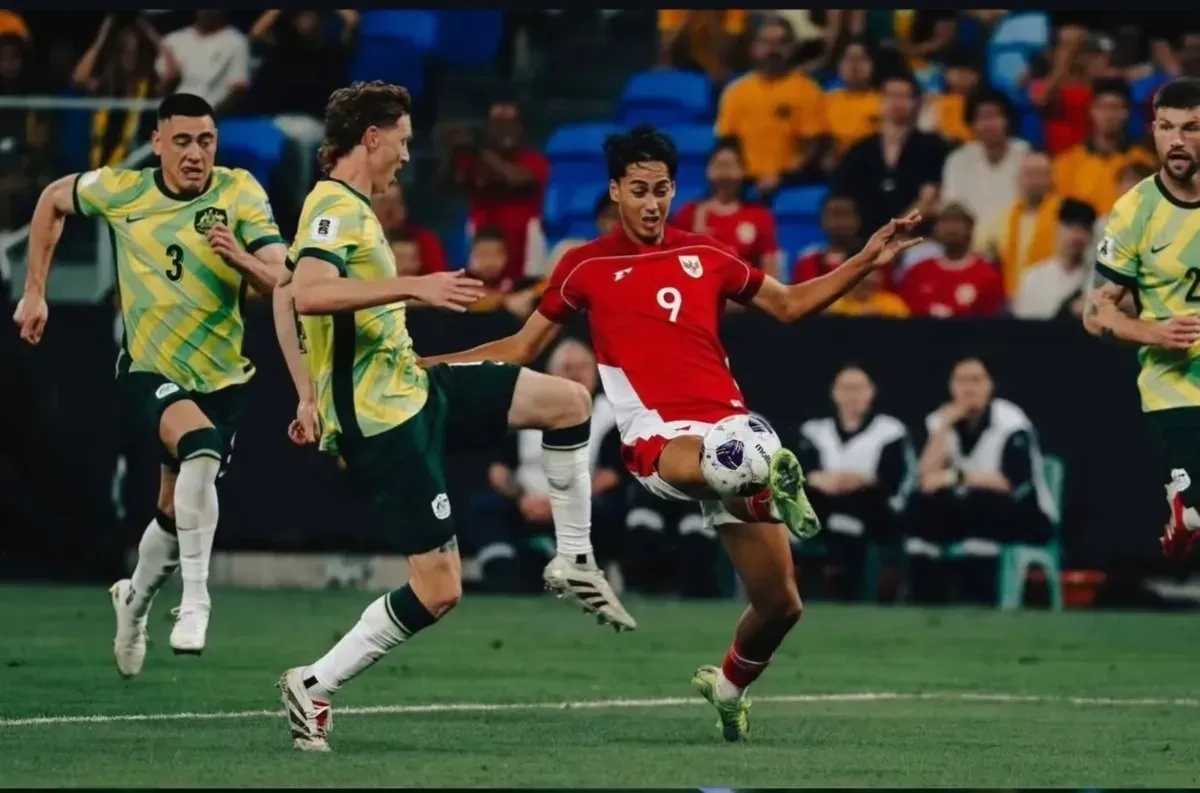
[418, 28]
[469, 37]
[666, 96]
[795, 237]
[581, 205]
[576, 155]
[687, 192]
[392, 61]
[1029, 30]
[1030, 128]
[581, 230]
[695, 143]
[800, 204]
[1005, 66]
[255, 144]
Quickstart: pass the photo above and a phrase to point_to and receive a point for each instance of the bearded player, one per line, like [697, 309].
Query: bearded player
[390, 420]
[189, 239]
[1147, 292]
[653, 296]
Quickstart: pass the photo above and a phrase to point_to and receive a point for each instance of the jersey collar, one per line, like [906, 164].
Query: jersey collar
[356, 194]
[631, 247]
[1167, 194]
[161, 184]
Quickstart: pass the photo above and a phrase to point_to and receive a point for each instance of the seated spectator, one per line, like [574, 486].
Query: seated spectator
[852, 110]
[775, 112]
[515, 513]
[945, 113]
[1027, 231]
[1129, 177]
[746, 227]
[842, 227]
[899, 169]
[1048, 288]
[957, 283]
[981, 485]
[860, 467]
[982, 175]
[25, 156]
[505, 183]
[705, 39]
[392, 212]
[489, 263]
[301, 65]
[606, 220]
[213, 59]
[1089, 170]
[870, 298]
[1064, 96]
[120, 63]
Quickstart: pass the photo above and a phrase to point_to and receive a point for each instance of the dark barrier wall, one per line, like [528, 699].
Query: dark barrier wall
[62, 431]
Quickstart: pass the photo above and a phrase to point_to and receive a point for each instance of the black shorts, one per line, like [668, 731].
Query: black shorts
[1177, 433]
[147, 394]
[402, 471]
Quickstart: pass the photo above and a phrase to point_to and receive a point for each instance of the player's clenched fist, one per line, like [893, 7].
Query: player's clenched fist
[453, 290]
[1176, 333]
[30, 316]
[892, 239]
[306, 427]
[223, 243]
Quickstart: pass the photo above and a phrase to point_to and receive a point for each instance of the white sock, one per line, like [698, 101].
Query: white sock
[196, 524]
[158, 557]
[726, 689]
[370, 639]
[570, 475]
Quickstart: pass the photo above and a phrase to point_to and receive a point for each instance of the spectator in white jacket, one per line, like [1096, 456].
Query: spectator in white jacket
[1049, 288]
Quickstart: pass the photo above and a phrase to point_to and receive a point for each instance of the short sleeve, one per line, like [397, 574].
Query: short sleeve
[739, 281]
[256, 225]
[726, 126]
[330, 231]
[103, 191]
[562, 296]
[1117, 257]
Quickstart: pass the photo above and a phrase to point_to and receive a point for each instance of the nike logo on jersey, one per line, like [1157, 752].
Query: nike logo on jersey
[134, 218]
[1160, 248]
[619, 274]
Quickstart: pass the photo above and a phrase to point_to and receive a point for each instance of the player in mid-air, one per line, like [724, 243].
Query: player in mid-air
[1147, 292]
[190, 240]
[653, 296]
[391, 420]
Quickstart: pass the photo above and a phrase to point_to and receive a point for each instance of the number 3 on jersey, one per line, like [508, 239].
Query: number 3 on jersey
[175, 271]
[670, 299]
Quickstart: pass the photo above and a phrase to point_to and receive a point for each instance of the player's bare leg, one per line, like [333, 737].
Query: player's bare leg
[434, 588]
[783, 499]
[761, 555]
[158, 558]
[562, 409]
[191, 438]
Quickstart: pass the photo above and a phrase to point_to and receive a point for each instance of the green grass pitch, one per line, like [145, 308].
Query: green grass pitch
[528, 692]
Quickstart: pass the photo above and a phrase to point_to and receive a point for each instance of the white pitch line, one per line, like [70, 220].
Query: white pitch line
[612, 704]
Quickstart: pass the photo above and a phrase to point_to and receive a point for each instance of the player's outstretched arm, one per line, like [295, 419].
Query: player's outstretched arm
[320, 289]
[790, 303]
[55, 203]
[521, 348]
[1106, 316]
[306, 428]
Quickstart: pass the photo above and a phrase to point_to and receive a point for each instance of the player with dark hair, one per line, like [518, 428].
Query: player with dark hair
[1147, 292]
[190, 240]
[390, 420]
[653, 296]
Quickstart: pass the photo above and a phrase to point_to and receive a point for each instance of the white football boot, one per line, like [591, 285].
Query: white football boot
[129, 645]
[586, 584]
[191, 628]
[309, 720]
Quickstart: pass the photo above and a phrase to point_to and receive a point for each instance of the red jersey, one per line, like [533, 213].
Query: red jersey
[429, 247]
[653, 311]
[515, 210]
[935, 288]
[749, 229]
[814, 261]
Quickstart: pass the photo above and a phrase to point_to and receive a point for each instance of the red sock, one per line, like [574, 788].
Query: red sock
[758, 506]
[739, 670]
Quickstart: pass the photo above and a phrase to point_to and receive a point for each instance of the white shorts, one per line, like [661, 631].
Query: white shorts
[641, 458]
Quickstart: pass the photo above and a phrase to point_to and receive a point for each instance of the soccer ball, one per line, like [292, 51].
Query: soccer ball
[737, 455]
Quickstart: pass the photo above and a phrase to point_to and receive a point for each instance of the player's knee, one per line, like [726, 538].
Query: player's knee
[575, 406]
[204, 444]
[785, 608]
[436, 580]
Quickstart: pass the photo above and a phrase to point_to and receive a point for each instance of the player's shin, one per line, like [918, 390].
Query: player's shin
[567, 463]
[385, 624]
[759, 634]
[158, 558]
[196, 511]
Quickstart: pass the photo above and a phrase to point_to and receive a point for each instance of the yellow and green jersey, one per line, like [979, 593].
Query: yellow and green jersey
[180, 301]
[1151, 245]
[363, 362]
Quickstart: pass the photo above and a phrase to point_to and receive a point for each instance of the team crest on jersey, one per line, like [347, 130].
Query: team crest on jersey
[746, 233]
[691, 265]
[207, 218]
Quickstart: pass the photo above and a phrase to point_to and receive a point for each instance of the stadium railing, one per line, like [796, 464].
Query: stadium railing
[83, 269]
